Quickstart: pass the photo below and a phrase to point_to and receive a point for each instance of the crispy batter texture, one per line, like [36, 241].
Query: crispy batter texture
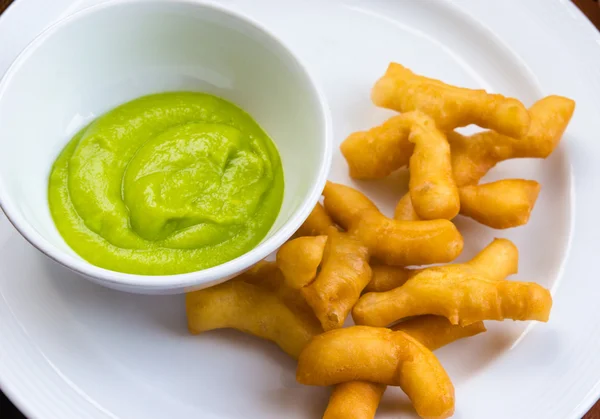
[386, 148]
[497, 260]
[433, 192]
[387, 278]
[330, 272]
[502, 204]
[461, 294]
[473, 156]
[360, 399]
[406, 243]
[405, 211]
[402, 90]
[251, 309]
[264, 272]
[345, 204]
[354, 400]
[317, 223]
[267, 276]
[435, 332]
[399, 243]
[376, 153]
[382, 356]
[345, 272]
[299, 259]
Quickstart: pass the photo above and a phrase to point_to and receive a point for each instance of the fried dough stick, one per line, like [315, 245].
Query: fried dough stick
[263, 307]
[379, 355]
[330, 272]
[317, 223]
[497, 260]
[360, 399]
[475, 155]
[399, 243]
[458, 292]
[402, 90]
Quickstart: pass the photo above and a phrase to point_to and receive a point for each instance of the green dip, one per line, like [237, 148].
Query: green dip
[166, 184]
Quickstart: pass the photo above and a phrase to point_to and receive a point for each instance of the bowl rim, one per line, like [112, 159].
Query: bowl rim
[202, 278]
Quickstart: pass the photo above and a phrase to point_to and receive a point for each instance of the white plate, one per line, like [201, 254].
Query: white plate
[71, 350]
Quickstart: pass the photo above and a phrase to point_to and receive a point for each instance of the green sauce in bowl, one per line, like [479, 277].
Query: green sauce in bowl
[167, 184]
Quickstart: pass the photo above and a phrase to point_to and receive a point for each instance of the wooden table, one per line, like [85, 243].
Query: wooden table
[590, 7]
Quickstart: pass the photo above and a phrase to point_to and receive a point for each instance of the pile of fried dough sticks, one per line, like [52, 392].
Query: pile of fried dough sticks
[349, 258]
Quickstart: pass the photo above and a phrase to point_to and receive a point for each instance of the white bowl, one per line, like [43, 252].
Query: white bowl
[101, 57]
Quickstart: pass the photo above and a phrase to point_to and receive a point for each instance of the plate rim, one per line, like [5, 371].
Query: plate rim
[585, 30]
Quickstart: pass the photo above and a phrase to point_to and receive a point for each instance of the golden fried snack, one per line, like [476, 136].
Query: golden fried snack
[460, 293]
[250, 309]
[345, 271]
[380, 151]
[360, 399]
[405, 211]
[382, 356]
[473, 156]
[299, 259]
[263, 272]
[345, 204]
[385, 278]
[390, 241]
[267, 276]
[406, 243]
[436, 331]
[317, 223]
[549, 119]
[354, 400]
[376, 153]
[433, 192]
[402, 90]
[497, 260]
[501, 204]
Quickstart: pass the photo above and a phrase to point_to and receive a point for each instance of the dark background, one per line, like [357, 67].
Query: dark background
[590, 7]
